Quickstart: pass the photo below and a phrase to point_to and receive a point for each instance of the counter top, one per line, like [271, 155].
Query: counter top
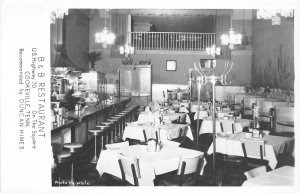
[74, 117]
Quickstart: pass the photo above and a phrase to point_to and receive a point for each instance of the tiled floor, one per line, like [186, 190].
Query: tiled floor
[85, 173]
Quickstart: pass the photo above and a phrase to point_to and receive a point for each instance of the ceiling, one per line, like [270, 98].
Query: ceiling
[175, 12]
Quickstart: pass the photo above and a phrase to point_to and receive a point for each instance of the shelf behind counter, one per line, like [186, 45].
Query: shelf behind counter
[76, 128]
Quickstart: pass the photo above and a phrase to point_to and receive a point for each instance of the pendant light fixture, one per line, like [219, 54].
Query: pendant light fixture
[270, 13]
[274, 14]
[231, 38]
[58, 14]
[245, 40]
[105, 37]
[214, 50]
[127, 51]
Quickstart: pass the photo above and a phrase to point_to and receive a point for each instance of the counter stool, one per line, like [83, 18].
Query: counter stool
[122, 123]
[118, 126]
[73, 148]
[110, 131]
[115, 121]
[63, 158]
[105, 129]
[124, 118]
[96, 132]
[127, 115]
[133, 112]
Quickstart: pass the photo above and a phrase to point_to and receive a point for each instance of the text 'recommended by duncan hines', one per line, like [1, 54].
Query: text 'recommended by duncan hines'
[31, 98]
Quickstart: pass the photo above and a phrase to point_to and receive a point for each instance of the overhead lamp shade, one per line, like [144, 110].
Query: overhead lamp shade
[62, 59]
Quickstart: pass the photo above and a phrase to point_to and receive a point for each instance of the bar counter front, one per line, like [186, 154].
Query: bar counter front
[76, 127]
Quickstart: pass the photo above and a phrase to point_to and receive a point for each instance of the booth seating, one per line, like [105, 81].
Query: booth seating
[283, 120]
[266, 110]
[238, 100]
[249, 103]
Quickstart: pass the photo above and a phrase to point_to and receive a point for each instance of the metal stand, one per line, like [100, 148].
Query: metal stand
[203, 78]
[95, 159]
[198, 112]
[214, 131]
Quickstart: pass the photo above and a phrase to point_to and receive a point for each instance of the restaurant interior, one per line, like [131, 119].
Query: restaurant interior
[172, 97]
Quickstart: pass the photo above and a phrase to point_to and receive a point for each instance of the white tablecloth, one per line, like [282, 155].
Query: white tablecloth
[168, 131]
[207, 125]
[202, 114]
[150, 163]
[168, 117]
[232, 146]
[283, 176]
[206, 113]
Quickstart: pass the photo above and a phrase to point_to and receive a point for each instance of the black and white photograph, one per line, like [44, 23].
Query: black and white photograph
[196, 98]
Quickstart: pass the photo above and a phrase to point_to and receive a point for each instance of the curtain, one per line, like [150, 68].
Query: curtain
[119, 25]
[222, 26]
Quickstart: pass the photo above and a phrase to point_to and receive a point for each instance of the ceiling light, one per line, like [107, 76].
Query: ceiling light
[58, 14]
[213, 50]
[231, 39]
[105, 37]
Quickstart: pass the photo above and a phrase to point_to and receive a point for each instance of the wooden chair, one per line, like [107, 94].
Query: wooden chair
[227, 127]
[188, 171]
[255, 172]
[254, 153]
[232, 167]
[286, 156]
[129, 168]
[205, 141]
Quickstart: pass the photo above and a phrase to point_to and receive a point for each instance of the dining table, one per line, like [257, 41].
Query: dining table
[231, 145]
[207, 124]
[166, 131]
[219, 114]
[151, 164]
[168, 116]
[283, 176]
